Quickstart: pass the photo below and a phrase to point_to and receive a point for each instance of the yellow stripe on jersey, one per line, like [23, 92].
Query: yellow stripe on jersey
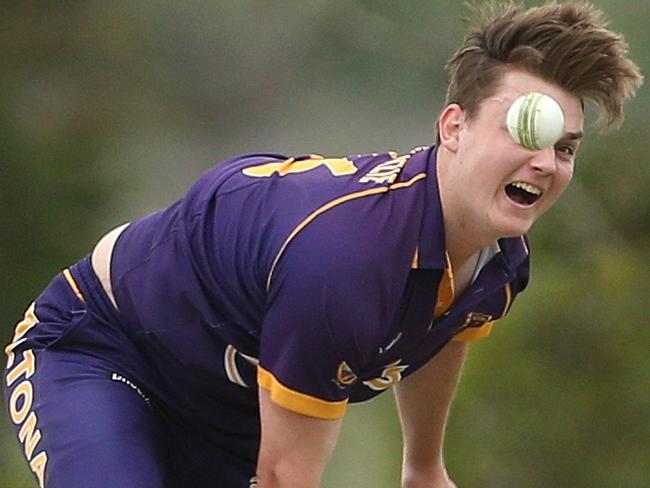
[336, 166]
[299, 402]
[474, 333]
[73, 284]
[446, 290]
[416, 258]
[332, 204]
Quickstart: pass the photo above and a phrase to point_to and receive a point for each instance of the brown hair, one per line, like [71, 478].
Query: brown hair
[567, 44]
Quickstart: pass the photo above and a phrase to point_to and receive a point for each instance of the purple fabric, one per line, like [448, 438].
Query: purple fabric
[195, 274]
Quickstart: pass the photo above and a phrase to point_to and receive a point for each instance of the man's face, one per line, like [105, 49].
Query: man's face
[497, 181]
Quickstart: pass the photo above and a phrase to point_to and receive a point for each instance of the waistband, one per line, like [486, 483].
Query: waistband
[100, 259]
[91, 290]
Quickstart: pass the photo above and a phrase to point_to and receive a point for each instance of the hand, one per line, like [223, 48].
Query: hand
[443, 480]
[438, 478]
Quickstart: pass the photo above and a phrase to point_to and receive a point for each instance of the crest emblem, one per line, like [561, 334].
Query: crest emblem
[476, 319]
[345, 375]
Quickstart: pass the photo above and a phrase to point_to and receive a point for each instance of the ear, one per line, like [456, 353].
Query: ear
[450, 124]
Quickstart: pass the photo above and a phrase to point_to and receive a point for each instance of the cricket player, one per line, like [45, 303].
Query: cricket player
[219, 341]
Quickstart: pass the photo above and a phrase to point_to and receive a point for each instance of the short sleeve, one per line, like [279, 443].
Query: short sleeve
[330, 303]
[301, 349]
[316, 336]
[333, 291]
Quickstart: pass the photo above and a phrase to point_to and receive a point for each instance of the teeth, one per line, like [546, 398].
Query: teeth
[527, 187]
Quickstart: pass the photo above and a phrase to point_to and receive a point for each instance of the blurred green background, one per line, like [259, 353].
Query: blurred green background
[111, 109]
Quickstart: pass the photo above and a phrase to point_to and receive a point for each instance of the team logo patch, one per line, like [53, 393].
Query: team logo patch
[345, 375]
[476, 319]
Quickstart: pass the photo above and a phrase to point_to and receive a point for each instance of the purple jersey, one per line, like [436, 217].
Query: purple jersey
[327, 278]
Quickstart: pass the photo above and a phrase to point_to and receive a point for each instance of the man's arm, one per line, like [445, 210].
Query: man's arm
[294, 448]
[423, 401]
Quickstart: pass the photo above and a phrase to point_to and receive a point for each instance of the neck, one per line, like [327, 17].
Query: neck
[465, 234]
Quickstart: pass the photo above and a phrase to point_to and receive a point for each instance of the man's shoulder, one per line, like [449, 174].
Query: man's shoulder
[364, 169]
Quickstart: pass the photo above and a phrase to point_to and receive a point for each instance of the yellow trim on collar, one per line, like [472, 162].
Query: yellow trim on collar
[73, 284]
[416, 258]
[508, 292]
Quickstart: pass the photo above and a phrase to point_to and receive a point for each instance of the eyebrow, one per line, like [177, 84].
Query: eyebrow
[573, 135]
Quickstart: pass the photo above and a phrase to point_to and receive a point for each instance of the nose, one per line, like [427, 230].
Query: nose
[543, 161]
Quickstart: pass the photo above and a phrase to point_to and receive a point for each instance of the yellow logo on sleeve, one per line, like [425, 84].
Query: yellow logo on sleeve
[391, 374]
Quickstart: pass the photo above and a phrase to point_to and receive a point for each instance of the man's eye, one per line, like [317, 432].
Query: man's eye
[566, 150]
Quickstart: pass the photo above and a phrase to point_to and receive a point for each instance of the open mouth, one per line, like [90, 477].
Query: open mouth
[523, 193]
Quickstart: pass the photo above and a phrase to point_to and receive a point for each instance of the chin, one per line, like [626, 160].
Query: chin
[513, 228]
[507, 220]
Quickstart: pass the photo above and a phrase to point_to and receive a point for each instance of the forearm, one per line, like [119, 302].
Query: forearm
[284, 475]
[424, 400]
[433, 478]
[294, 448]
[279, 470]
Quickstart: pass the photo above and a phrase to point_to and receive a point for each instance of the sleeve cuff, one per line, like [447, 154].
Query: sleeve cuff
[299, 402]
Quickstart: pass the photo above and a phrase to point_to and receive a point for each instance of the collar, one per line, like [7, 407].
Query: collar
[514, 251]
[431, 251]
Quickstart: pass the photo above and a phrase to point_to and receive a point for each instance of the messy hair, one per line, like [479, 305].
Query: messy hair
[567, 44]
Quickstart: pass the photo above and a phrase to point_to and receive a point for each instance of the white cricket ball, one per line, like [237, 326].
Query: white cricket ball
[535, 121]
